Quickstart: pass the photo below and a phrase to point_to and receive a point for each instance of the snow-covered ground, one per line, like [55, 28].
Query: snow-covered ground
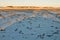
[29, 25]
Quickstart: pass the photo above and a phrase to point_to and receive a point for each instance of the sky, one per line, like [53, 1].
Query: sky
[54, 3]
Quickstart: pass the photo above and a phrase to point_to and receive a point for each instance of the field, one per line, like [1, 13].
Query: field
[30, 24]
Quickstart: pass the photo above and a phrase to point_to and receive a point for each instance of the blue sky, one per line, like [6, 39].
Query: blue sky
[55, 3]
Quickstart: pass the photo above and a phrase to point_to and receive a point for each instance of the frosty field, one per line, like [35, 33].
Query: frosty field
[29, 25]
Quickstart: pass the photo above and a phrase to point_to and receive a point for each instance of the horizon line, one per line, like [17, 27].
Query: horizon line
[28, 6]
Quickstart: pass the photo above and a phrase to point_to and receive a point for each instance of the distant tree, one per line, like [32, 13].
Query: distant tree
[10, 6]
